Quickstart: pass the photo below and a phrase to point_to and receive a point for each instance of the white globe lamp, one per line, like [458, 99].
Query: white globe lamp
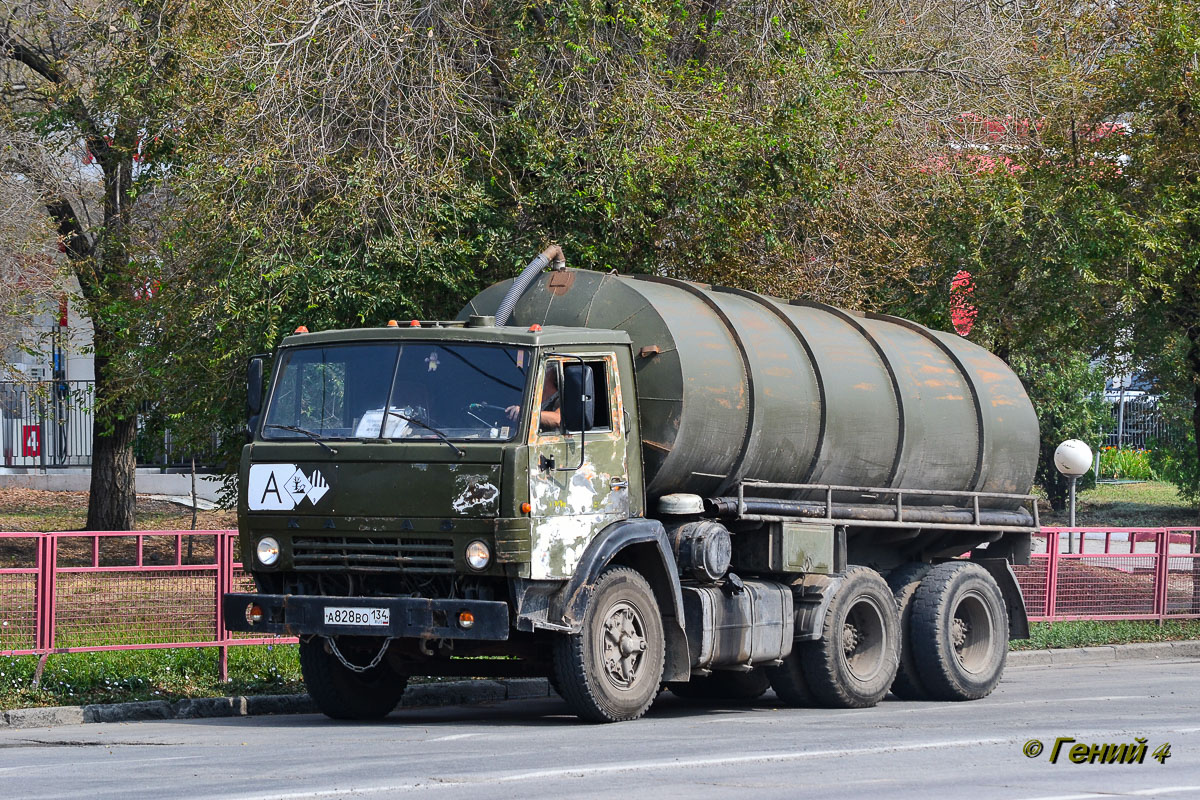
[1073, 458]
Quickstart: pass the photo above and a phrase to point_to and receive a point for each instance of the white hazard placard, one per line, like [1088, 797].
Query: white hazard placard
[282, 487]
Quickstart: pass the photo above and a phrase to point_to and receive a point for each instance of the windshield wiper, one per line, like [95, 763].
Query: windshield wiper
[316, 438]
[440, 435]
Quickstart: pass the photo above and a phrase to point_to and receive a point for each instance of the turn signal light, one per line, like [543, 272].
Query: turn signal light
[465, 619]
[254, 613]
[526, 508]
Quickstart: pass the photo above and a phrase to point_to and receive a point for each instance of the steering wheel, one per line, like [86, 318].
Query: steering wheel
[489, 413]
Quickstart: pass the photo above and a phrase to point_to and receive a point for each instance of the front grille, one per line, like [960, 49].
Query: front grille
[372, 554]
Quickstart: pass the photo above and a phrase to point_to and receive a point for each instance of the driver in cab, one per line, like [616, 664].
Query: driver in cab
[551, 410]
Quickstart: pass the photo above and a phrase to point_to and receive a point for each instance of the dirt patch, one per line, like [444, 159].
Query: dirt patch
[35, 510]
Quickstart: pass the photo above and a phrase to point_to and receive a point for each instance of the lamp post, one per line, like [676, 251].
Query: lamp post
[1073, 458]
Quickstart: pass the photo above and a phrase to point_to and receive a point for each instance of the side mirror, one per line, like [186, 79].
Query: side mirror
[578, 397]
[254, 392]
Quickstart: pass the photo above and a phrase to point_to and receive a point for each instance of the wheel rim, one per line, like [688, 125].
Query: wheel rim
[864, 640]
[623, 645]
[971, 633]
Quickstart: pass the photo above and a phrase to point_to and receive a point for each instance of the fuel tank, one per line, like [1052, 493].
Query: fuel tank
[734, 385]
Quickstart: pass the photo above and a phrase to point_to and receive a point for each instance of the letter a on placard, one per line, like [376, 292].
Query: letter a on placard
[272, 489]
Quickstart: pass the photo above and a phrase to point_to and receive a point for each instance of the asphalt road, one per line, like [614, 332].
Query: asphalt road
[533, 748]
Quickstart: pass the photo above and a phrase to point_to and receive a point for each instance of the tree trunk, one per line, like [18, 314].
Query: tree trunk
[111, 502]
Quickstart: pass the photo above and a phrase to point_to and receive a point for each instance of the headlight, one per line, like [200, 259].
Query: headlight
[478, 554]
[267, 551]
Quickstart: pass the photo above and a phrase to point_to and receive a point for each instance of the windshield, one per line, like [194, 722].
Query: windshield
[393, 391]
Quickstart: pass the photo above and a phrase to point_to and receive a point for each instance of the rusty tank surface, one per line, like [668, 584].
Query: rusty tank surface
[735, 386]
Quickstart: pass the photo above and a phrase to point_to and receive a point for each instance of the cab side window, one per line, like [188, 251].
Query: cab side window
[564, 384]
[602, 417]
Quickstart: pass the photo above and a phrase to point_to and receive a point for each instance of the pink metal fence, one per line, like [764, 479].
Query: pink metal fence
[85, 592]
[1113, 573]
[92, 591]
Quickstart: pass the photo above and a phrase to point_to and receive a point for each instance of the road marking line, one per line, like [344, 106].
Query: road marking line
[600, 769]
[1119, 793]
[454, 737]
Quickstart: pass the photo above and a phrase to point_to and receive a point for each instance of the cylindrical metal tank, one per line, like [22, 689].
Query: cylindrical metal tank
[734, 385]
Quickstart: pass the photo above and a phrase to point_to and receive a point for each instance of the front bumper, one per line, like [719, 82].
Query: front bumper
[410, 617]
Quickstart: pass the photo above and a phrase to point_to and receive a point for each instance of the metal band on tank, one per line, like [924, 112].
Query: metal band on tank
[769, 304]
[945, 348]
[751, 406]
[887, 365]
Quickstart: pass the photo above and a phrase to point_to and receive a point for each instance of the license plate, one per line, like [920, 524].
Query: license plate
[362, 617]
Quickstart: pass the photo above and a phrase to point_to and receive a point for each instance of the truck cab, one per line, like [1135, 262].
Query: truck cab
[435, 486]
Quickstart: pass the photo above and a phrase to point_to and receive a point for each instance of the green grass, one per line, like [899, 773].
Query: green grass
[121, 676]
[1044, 635]
[1128, 505]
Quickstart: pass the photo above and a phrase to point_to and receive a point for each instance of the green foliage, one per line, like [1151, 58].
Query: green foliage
[642, 137]
[1178, 464]
[1067, 394]
[1127, 463]
[129, 675]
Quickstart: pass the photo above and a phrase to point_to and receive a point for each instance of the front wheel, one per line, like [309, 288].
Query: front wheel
[342, 693]
[611, 670]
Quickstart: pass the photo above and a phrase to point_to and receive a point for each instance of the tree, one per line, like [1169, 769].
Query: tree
[1151, 86]
[29, 268]
[90, 93]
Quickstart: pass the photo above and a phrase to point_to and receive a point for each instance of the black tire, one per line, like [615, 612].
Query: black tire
[903, 581]
[621, 618]
[724, 685]
[959, 631]
[854, 662]
[788, 681]
[342, 694]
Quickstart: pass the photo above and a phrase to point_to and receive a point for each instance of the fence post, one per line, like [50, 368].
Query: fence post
[224, 555]
[1053, 544]
[1161, 571]
[47, 558]
[1194, 550]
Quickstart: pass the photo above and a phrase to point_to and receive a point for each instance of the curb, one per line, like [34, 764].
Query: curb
[420, 695]
[1105, 653]
[479, 692]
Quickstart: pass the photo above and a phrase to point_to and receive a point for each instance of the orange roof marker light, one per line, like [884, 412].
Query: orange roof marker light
[302, 329]
[535, 328]
[393, 324]
[416, 323]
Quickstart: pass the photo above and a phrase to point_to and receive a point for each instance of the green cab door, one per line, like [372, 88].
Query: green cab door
[578, 467]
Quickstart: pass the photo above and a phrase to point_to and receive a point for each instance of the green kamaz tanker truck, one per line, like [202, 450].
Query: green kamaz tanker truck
[626, 483]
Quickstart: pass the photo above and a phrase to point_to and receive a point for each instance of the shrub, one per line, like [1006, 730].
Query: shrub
[1126, 463]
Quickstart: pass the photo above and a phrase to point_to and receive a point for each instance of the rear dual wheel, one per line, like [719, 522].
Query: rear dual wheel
[958, 632]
